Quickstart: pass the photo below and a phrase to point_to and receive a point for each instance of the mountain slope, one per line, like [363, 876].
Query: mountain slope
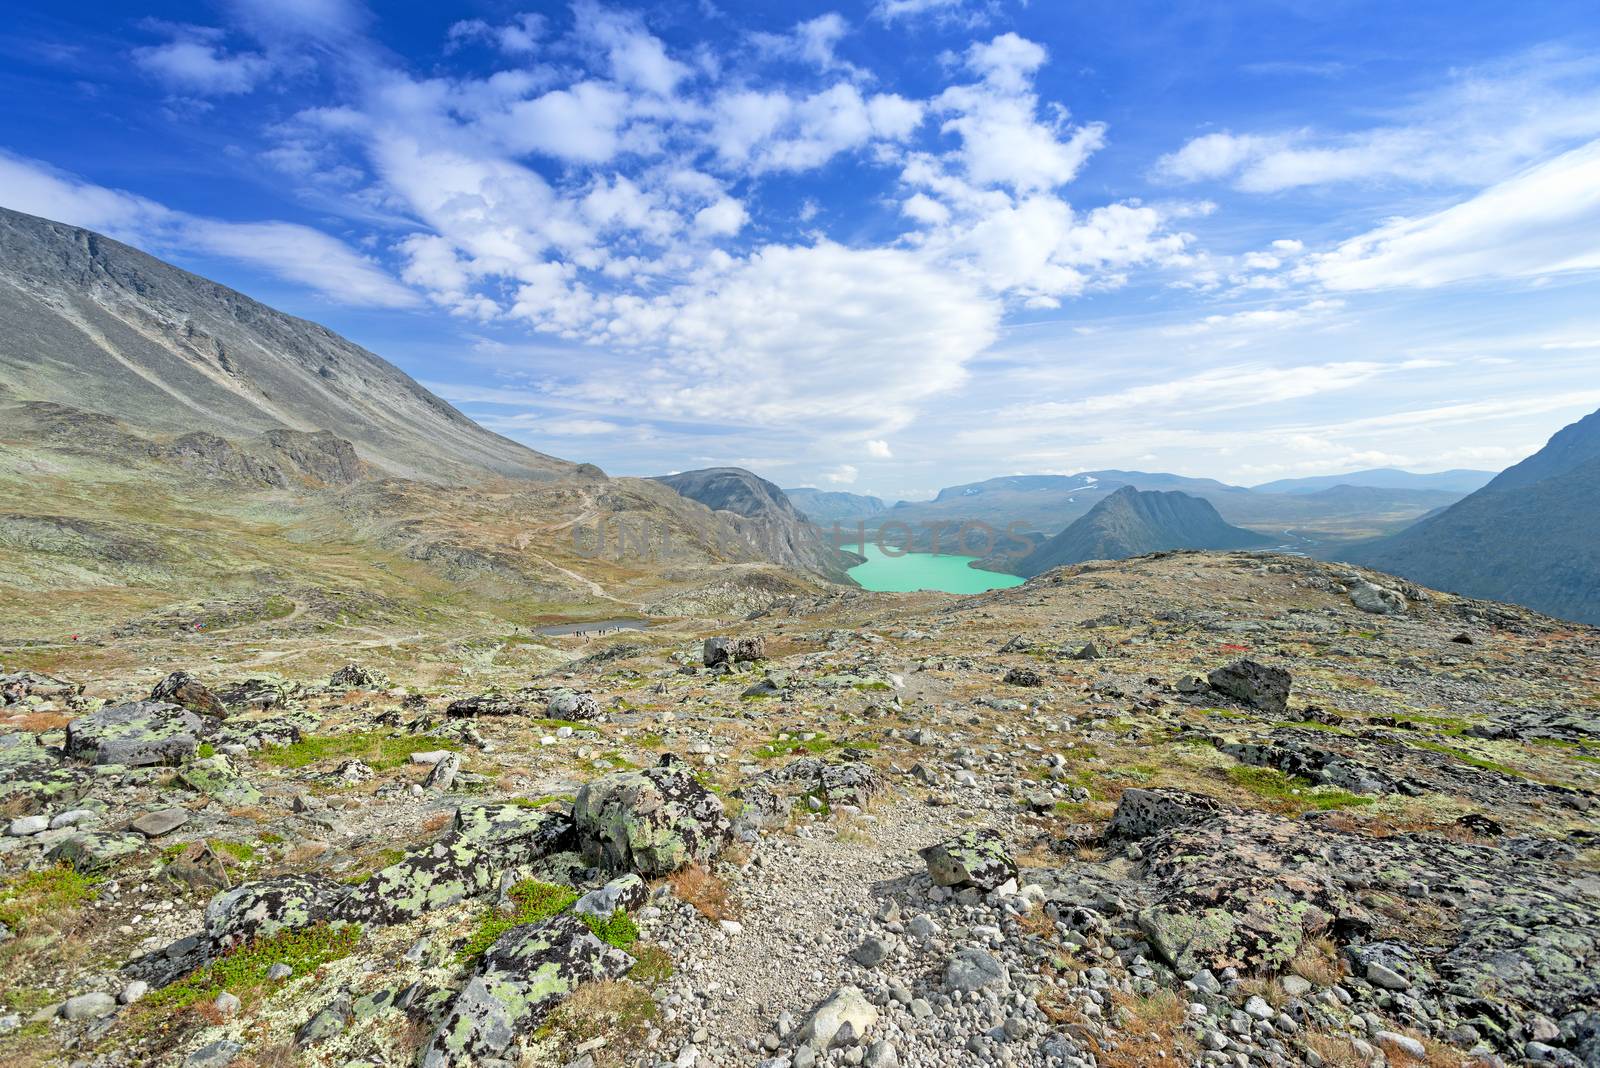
[1523, 538]
[824, 507]
[1458, 480]
[764, 515]
[1133, 522]
[1569, 448]
[89, 322]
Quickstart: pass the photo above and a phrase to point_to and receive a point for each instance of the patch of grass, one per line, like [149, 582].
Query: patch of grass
[268, 838]
[535, 901]
[652, 965]
[1467, 758]
[377, 749]
[1274, 785]
[540, 801]
[557, 724]
[243, 971]
[205, 751]
[610, 1019]
[239, 851]
[817, 745]
[874, 685]
[617, 929]
[44, 893]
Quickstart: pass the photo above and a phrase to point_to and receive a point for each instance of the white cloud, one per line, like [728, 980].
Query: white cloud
[722, 218]
[1481, 125]
[774, 131]
[878, 449]
[195, 62]
[1539, 223]
[635, 56]
[518, 37]
[291, 251]
[889, 10]
[813, 42]
[843, 475]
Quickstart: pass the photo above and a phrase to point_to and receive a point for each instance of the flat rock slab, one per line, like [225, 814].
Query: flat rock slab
[156, 824]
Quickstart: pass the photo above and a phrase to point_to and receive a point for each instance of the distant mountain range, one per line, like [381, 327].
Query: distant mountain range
[826, 507]
[1315, 522]
[1458, 480]
[1132, 522]
[1531, 536]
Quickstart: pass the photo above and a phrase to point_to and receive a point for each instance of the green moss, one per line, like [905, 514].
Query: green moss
[206, 751]
[652, 965]
[534, 900]
[243, 971]
[540, 801]
[237, 850]
[268, 838]
[44, 893]
[377, 749]
[874, 685]
[1301, 793]
[617, 929]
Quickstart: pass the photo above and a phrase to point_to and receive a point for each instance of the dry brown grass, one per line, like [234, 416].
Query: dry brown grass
[277, 1055]
[35, 722]
[617, 1011]
[704, 890]
[1318, 962]
[1338, 1052]
[304, 853]
[436, 822]
[1149, 1032]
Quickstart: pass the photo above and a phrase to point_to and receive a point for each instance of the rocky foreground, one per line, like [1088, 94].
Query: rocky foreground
[1188, 809]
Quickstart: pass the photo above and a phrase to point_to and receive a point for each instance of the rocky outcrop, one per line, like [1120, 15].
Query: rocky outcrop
[183, 689]
[136, 734]
[974, 858]
[1261, 686]
[652, 822]
[525, 974]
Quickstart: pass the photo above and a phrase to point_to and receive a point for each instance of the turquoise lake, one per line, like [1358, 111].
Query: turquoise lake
[925, 571]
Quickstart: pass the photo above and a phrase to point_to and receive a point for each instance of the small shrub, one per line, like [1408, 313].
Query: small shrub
[617, 929]
[243, 971]
[46, 893]
[652, 965]
[535, 901]
[615, 1016]
[700, 888]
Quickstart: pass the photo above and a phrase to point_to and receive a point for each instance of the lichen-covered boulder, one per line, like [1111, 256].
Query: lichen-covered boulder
[1261, 686]
[183, 689]
[356, 677]
[33, 778]
[136, 734]
[569, 704]
[1378, 600]
[91, 852]
[624, 893]
[262, 909]
[1021, 676]
[972, 858]
[652, 821]
[733, 650]
[482, 842]
[486, 704]
[1142, 813]
[216, 777]
[837, 783]
[524, 975]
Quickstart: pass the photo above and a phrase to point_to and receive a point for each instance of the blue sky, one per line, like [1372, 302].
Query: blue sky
[881, 246]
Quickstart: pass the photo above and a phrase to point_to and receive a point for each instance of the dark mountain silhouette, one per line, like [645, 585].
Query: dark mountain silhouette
[1131, 522]
[1531, 536]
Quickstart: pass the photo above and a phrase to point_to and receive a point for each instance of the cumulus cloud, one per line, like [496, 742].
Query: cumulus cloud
[843, 475]
[878, 449]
